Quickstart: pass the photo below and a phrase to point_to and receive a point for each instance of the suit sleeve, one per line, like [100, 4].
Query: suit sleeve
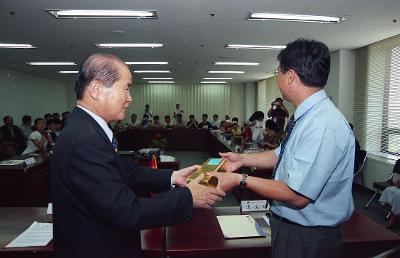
[103, 189]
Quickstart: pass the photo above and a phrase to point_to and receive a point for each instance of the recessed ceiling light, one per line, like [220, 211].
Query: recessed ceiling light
[78, 14]
[12, 45]
[68, 72]
[50, 63]
[146, 63]
[221, 78]
[236, 63]
[128, 45]
[296, 17]
[152, 71]
[241, 46]
[225, 72]
[212, 82]
[157, 78]
[161, 82]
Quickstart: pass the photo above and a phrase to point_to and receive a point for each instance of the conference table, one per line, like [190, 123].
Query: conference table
[201, 237]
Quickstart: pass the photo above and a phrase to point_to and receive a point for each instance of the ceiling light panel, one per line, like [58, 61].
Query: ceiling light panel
[225, 71]
[152, 71]
[87, 14]
[161, 82]
[128, 45]
[68, 72]
[13, 45]
[237, 63]
[146, 63]
[50, 63]
[157, 78]
[220, 78]
[244, 46]
[296, 17]
[212, 82]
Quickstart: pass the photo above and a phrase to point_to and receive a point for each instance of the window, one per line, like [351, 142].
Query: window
[390, 138]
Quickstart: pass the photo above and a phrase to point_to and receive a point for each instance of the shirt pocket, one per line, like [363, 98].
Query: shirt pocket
[285, 165]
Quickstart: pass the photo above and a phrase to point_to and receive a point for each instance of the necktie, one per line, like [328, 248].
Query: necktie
[290, 127]
[115, 143]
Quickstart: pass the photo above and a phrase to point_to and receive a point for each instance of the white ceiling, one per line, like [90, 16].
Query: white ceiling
[194, 39]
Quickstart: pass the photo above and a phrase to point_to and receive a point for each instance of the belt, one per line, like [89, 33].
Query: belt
[299, 225]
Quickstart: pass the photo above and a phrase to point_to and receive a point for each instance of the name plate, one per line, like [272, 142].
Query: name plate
[254, 205]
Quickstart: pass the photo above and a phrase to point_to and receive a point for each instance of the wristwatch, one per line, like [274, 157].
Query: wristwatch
[243, 182]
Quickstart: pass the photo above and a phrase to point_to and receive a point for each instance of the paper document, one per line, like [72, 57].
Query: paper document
[11, 162]
[239, 226]
[38, 234]
[50, 209]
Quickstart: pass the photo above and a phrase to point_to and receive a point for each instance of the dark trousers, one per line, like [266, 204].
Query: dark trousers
[292, 240]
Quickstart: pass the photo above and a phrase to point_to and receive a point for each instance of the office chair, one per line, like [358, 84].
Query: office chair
[360, 166]
[380, 186]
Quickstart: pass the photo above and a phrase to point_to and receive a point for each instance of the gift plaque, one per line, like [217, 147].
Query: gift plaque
[210, 165]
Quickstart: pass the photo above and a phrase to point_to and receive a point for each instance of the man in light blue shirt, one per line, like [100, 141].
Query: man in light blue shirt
[313, 167]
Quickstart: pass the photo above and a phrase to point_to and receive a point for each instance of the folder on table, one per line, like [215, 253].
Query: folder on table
[239, 226]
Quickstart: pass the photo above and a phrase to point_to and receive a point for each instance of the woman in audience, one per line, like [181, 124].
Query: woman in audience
[256, 125]
[145, 122]
[179, 122]
[391, 196]
[147, 111]
[193, 124]
[38, 139]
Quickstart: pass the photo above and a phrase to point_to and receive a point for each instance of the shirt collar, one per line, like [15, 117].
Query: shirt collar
[103, 124]
[309, 102]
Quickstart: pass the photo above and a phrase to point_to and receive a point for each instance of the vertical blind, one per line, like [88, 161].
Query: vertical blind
[194, 99]
[377, 97]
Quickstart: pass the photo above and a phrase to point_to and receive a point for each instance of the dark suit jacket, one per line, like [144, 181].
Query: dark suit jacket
[18, 138]
[96, 214]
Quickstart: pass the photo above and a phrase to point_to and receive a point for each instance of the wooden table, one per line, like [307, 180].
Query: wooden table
[202, 237]
[23, 185]
[15, 220]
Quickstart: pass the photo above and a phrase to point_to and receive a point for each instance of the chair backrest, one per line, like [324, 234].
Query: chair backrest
[361, 163]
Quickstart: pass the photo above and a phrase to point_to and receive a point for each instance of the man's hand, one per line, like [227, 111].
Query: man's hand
[203, 196]
[226, 181]
[180, 177]
[233, 161]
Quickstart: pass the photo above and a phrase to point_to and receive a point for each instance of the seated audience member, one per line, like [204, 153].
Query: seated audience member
[147, 111]
[271, 135]
[56, 116]
[177, 110]
[48, 116]
[256, 124]
[134, 122]
[26, 126]
[237, 133]
[204, 123]
[51, 125]
[12, 135]
[278, 113]
[64, 116]
[391, 196]
[226, 124]
[156, 122]
[179, 123]
[38, 139]
[215, 123]
[145, 122]
[167, 122]
[193, 124]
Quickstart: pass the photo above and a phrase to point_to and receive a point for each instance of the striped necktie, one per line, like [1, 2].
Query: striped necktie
[115, 143]
[290, 127]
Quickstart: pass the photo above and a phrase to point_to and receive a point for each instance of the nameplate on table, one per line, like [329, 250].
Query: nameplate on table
[30, 161]
[38, 234]
[254, 205]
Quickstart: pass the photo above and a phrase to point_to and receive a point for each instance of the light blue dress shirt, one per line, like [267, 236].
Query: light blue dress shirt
[318, 162]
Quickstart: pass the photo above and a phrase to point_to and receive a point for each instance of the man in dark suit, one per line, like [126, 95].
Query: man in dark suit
[12, 135]
[96, 213]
